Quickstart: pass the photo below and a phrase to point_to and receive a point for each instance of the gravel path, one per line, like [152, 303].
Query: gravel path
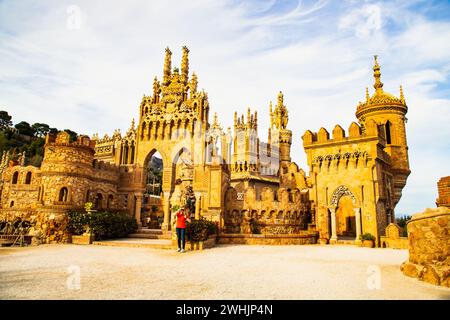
[224, 272]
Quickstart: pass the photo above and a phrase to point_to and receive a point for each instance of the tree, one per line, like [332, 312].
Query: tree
[73, 135]
[41, 129]
[25, 128]
[5, 120]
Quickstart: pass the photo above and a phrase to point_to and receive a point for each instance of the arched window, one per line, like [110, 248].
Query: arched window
[88, 193]
[63, 194]
[15, 177]
[110, 201]
[388, 132]
[28, 178]
[11, 204]
[99, 201]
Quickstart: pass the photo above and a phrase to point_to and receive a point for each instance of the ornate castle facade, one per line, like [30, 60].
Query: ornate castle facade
[251, 188]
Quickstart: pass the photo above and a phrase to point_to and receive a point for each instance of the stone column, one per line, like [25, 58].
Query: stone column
[198, 199]
[333, 238]
[358, 225]
[166, 209]
[138, 208]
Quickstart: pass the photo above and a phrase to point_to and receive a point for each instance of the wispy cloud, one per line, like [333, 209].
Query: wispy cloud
[319, 53]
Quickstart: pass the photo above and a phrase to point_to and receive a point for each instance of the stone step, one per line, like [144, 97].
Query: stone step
[145, 235]
[152, 231]
[137, 243]
[5, 243]
[346, 241]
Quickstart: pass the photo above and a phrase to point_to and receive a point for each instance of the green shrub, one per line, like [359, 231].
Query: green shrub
[77, 222]
[201, 229]
[104, 224]
[368, 236]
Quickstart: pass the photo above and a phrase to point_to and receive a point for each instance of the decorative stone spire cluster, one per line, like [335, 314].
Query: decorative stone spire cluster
[185, 65]
[279, 117]
[167, 66]
[251, 123]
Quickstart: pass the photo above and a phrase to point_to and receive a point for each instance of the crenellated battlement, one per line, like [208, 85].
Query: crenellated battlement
[355, 133]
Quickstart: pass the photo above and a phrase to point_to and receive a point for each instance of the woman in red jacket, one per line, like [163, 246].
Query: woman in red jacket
[180, 222]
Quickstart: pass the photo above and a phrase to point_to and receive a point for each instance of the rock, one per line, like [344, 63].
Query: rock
[409, 269]
[430, 275]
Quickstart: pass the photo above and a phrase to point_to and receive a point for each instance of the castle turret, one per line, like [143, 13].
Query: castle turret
[279, 121]
[390, 112]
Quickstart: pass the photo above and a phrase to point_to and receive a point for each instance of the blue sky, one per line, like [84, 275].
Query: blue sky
[90, 75]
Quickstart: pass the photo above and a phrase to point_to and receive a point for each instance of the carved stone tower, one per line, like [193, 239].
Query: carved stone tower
[390, 112]
[280, 135]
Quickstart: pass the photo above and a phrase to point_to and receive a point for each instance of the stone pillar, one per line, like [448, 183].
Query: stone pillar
[333, 238]
[138, 208]
[166, 209]
[198, 199]
[358, 225]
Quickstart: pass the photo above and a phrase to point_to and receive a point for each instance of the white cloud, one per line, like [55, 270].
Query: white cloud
[363, 21]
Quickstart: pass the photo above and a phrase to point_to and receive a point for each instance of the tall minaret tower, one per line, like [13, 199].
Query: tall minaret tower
[279, 133]
[390, 112]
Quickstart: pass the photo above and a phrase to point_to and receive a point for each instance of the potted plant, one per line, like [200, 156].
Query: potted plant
[368, 240]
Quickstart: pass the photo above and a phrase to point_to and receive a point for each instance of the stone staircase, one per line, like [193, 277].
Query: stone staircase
[143, 238]
[346, 240]
[145, 233]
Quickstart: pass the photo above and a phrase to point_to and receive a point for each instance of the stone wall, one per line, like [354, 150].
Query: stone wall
[393, 239]
[444, 192]
[429, 247]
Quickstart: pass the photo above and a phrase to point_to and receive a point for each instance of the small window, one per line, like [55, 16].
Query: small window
[388, 132]
[28, 178]
[11, 204]
[63, 194]
[15, 177]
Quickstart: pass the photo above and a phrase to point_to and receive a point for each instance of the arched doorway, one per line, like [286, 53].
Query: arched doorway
[345, 217]
[183, 170]
[152, 210]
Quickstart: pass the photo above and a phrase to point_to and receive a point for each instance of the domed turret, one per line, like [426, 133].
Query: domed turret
[388, 111]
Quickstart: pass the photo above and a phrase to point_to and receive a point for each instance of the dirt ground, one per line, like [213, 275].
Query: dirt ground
[224, 272]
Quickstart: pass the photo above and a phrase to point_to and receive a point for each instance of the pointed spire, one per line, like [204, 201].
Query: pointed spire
[156, 88]
[194, 83]
[378, 85]
[235, 119]
[132, 124]
[280, 99]
[367, 95]
[402, 97]
[215, 122]
[185, 65]
[167, 65]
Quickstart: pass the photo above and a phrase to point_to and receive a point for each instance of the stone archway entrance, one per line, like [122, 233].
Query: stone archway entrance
[152, 208]
[345, 215]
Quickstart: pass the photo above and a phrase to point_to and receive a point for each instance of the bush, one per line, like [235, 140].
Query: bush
[201, 229]
[104, 224]
[77, 222]
[368, 236]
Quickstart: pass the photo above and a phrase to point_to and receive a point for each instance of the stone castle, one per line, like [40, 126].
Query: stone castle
[251, 188]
